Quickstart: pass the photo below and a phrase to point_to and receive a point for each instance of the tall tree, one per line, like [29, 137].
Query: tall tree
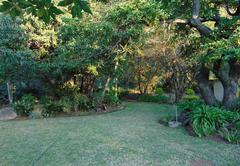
[221, 43]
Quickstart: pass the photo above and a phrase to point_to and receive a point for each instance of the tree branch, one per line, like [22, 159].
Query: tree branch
[237, 13]
[195, 22]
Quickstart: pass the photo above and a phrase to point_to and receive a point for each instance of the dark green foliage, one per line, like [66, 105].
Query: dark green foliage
[111, 98]
[25, 106]
[75, 102]
[162, 99]
[168, 119]
[232, 136]
[53, 108]
[188, 106]
[90, 104]
[191, 98]
[150, 98]
[206, 119]
[43, 9]
[97, 97]
[159, 91]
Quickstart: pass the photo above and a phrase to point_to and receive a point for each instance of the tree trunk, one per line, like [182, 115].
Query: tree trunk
[92, 86]
[228, 74]
[10, 92]
[116, 86]
[230, 99]
[204, 86]
[106, 85]
[139, 75]
[75, 80]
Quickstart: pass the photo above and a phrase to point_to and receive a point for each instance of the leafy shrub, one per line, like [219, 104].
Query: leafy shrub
[190, 105]
[149, 98]
[162, 99]
[35, 115]
[111, 98]
[190, 92]
[121, 92]
[232, 136]
[159, 91]
[25, 106]
[97, 97]
[191, 98]
[52, 108]
[168, 119]
[206, 119]
[28, 97]
[90, 104]
[75, 102]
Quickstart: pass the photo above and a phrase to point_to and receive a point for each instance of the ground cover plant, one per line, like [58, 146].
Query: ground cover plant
[128, 137]
[206, 120]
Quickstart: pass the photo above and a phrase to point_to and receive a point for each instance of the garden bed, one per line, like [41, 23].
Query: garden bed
[190, 131]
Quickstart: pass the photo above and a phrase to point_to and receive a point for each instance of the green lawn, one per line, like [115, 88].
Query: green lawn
[128, 137]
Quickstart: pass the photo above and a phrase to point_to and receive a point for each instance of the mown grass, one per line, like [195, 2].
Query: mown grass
[128, 137]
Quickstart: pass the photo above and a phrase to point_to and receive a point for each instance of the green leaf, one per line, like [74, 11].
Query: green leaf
[56, 10]
[62, 3]
[50, 5]
[46, 18]
[52, 15]
[7, 4]
[13, 12]
[30, 10]
[41, 12]
[74, 12]
[79, 13]
[47, 2]
[76, 2]
[68, 2]
[85, 7]
[24, 4]
[3, 8]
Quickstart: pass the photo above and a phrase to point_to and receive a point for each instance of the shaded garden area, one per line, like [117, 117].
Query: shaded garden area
[177, 60]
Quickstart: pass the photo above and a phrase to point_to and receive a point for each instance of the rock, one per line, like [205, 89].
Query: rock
[7, 113]
[174, 124]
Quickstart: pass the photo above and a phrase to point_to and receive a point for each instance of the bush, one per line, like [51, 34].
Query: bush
[35, 115]
[75, 102]
[232, 136]
[52, 108]
[25, 106]
[159, 91]
[191, 98]
[149, 98]
[162, 99]
[189, 106]
[98, 99]
[190, 92]
[111, 99]
[207, 119]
